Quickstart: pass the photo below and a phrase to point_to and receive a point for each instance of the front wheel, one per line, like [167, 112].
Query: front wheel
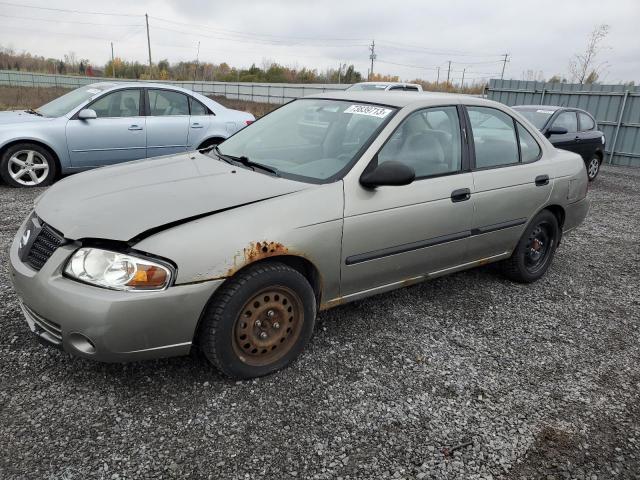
[27, 165]
[259, 321]
[593, 167]
[534, 252]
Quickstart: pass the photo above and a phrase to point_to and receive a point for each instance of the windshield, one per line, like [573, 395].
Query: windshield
[67, 102]
[310, 139]
[538, 117]
[367, 86]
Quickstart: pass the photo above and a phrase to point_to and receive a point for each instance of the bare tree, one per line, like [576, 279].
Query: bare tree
[583, 66]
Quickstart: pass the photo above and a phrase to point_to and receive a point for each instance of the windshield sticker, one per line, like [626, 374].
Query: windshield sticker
[548, 112]
[368, 110]
[93, 90]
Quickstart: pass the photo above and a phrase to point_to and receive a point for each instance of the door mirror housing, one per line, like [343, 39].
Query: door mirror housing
[389, 173]
[87, 114]
[556, 131]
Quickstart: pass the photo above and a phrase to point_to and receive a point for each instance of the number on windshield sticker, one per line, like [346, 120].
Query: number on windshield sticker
[368, 110]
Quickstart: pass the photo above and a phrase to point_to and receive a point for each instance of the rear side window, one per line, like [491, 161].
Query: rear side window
[567, 120]
[586, 122]
[494, 137]
[167, 103]
[197, 108]
[529, 148]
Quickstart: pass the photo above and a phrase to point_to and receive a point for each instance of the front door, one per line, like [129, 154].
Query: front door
[393, 234]
[511, 181]
[570, 140]
[167, 122]
[117, 135]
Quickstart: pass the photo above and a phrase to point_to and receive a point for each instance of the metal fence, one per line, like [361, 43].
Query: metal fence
[257, 92]
[616, 108]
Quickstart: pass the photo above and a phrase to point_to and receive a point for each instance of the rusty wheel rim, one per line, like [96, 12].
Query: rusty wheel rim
[268, 326]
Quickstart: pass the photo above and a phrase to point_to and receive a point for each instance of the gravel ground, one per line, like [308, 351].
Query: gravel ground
[468, 376]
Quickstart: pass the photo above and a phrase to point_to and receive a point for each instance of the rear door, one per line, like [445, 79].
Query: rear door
[117, 135]
[167, 122]
[570, 140]
[590, 138]
[199, 121]
[512, 182]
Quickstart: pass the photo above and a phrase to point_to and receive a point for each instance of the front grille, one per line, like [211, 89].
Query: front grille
[47, 242]
[47, 329]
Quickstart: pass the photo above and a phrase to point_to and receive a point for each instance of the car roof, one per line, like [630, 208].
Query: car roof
[404, 99]
[385, 83]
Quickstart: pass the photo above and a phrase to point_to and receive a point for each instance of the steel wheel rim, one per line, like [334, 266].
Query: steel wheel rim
[594, 165]
[28, 167]
[268, 326]
[539, 247]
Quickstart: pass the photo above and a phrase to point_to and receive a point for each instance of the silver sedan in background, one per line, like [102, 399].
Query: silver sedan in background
[326, 200]
[106, 123]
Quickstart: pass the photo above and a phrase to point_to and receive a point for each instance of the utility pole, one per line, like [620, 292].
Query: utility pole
[504, 64]
[462, 85]
[146, 17]
[372, 48]
[113, 64]
[438, 77]
[448, 71]
[195, 74]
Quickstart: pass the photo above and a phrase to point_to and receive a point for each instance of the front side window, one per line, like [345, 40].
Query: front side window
[309, 139]
[529, 148]
[567, 120]
[428, 141]
[167, 103]
[586, 122]
[494, 137]
[121, 103]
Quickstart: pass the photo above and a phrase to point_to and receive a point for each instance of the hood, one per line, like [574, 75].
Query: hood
[122, 202]
[11, 117]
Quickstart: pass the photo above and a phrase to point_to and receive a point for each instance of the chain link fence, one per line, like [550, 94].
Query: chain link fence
[276, 93]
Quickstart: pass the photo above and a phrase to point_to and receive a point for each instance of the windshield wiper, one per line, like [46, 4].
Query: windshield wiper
[219, 154]
[34, 112]
[245, 161]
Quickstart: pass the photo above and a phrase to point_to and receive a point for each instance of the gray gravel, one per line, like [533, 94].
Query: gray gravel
[468, 376]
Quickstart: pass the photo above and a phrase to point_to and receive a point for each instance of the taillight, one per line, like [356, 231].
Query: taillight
[249, 122]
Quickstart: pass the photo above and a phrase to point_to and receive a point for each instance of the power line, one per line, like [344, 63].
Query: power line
[72, 21]
[84, 12]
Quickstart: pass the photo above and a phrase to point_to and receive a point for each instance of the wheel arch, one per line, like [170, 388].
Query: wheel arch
[212, 140]
[48, 148]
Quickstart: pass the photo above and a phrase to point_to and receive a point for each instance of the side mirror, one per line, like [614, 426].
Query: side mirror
[389, 173]
[87, 114]
[556, 131]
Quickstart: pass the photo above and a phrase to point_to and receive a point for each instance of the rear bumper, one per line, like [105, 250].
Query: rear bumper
[575, 214]
[119, 326]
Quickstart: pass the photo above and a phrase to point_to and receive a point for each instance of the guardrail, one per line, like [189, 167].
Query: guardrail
[616, 109]
[277, 93]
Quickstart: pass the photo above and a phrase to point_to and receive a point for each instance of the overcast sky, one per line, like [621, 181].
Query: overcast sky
[541, 36]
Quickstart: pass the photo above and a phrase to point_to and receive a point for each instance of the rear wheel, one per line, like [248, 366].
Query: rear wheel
[593, 167]
[27, 165]
[535, 250]
[259, 321]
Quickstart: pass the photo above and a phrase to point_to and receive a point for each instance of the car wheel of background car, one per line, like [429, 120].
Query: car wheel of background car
[534, 252]
[27, 165]
[259, 321]
[593, 167]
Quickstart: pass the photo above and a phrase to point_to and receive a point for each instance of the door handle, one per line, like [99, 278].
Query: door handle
[196, 125]
[460, 195]
[135, 127]
[542, 180]
[577, 139]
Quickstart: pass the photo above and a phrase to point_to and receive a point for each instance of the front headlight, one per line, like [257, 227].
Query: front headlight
[118, 271]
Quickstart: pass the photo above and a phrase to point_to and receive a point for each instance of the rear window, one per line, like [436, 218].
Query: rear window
[586, 122]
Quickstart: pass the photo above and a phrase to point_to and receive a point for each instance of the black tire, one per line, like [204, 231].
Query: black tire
[593, 167]
[229, 317]
[535, 250]
[40, 167]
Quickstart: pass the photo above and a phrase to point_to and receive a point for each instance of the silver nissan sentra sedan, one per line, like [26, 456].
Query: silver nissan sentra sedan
[328, 199]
